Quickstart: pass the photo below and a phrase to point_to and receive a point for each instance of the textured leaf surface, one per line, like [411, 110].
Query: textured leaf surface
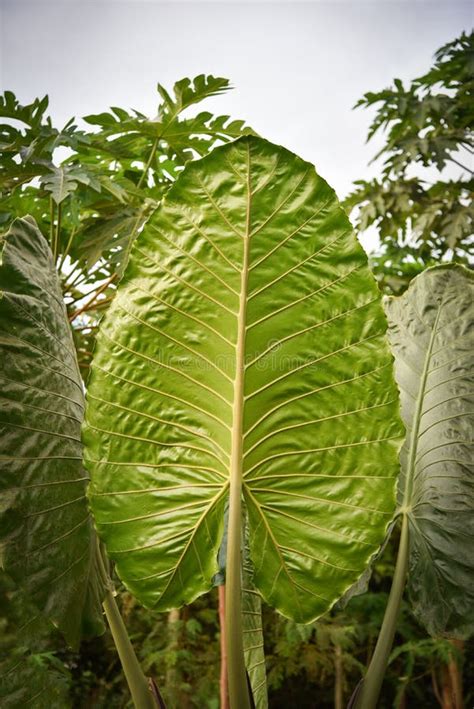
[252, 229]
[254, 649]
[49, 544]
[432, 338]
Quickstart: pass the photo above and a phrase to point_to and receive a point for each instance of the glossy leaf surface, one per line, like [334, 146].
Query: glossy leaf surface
[49, 544]
[431, 332]
[249, 240]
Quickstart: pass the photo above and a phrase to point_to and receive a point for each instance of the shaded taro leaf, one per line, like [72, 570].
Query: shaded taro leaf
[250, 235]
[431, 333]
[49, 546]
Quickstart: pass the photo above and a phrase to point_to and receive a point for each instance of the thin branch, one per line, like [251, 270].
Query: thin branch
[81, 296]
[464, 167]
[66, 250]
[148, 164]
[51, 227]
[93, 299]
[86, 327]
[58, 233]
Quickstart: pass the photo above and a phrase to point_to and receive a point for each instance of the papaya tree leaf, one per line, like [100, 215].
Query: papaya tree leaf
[247, 327]
[48, 541]
[59, 183]
[63, 180]
[431, 336]
[188, 92]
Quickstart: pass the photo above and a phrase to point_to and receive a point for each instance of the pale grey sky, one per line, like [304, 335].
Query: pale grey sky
[297, 67]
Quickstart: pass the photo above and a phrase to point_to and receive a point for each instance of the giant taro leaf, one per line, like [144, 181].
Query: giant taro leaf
[47, 535]
[432, 337]
[245, 292]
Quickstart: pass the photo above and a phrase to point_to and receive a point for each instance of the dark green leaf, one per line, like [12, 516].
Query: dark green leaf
[46, 529]
[431, 337]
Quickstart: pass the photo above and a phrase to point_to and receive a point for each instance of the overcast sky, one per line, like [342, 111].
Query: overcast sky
[297, 67]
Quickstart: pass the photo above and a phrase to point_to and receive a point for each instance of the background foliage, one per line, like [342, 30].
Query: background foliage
[422, 214]
[90, 188]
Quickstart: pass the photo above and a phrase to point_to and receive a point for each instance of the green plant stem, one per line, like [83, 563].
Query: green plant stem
[136, 226]
[69, 284]
[51, 227]
[66, 250]
[136, 680]
[238, 688]
[148, 164]
[142, 210]
[223, 685]
[58, 232]
[237, 680]
[369, 693]
[81, 278]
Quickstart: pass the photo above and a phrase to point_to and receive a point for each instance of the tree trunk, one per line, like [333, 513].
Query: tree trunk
[338, 678]
[173, 694]
[452, 680]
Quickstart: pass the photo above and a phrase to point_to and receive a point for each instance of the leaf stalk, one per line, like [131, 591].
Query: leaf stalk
[238, 688]
[58, 234]
[369, 692]
[137, 682]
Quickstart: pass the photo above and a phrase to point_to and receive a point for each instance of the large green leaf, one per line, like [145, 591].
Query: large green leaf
[431, 337]
[246, 292]
[48, 541]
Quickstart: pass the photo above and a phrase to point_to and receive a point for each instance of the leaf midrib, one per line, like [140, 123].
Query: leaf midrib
[237, 436]
[413, 447]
